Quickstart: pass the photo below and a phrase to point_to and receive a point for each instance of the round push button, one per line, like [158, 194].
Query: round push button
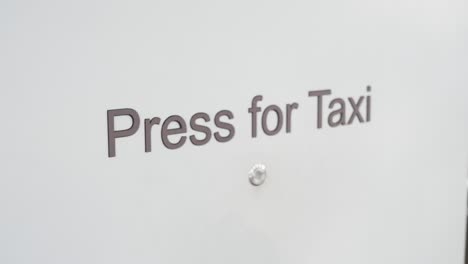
[257, 174]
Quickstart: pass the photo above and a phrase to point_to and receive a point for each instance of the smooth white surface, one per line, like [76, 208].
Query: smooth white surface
[391, 191]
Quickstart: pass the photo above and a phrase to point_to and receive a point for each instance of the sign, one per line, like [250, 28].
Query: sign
[336, 117]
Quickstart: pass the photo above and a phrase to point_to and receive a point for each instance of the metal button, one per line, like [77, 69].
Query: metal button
[257, 174]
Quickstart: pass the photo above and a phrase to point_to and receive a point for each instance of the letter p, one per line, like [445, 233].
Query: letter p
[112, 134]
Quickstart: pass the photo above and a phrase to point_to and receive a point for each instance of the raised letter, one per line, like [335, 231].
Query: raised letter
[369, 101]
[356, 112]
[224, 125]
[149, 123]
[112, 134]
[254, 110]
[199, 128]
[340, 111]
[289, 108]
[166, 131]
[319, 95]
[279, 120]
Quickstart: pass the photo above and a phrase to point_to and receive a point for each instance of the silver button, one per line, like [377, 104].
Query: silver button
[257, 174]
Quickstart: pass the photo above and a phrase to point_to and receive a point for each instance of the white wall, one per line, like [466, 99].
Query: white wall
[388, 191]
